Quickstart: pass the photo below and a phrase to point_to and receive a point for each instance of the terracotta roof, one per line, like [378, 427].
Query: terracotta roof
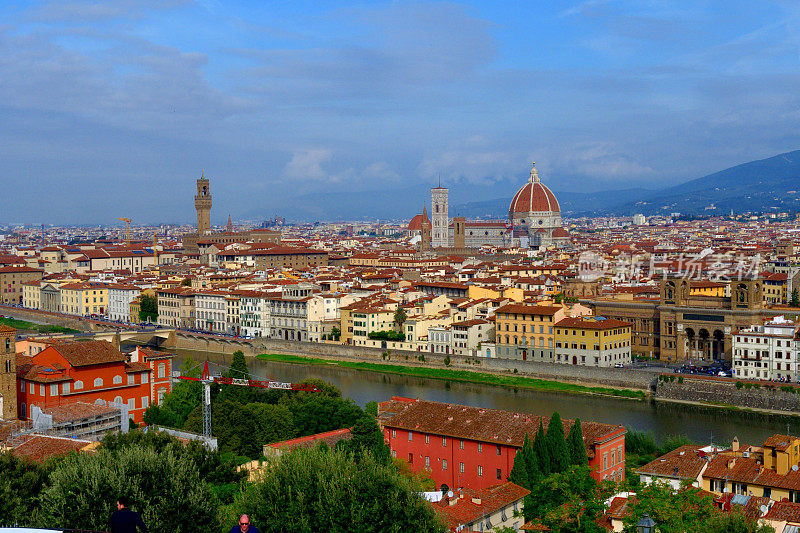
[330, 438]
[748, 470]
[466, 509]
[533, 196]
[87, 353]
[788, 511]
[7, 329]
[681, 463]
[485, 425]
[592, 322]
[39, 448]
[522, 309]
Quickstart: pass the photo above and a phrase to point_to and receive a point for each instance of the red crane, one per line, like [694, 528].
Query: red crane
[206, 379]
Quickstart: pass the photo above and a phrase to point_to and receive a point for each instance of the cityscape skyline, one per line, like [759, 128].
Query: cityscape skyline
[276, 103]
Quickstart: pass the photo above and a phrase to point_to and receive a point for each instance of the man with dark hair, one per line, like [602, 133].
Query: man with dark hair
[124, 520]
[244, 526]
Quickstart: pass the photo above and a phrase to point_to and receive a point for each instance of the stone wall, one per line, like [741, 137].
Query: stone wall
[614, 377]
[768, 396]
[34, 315]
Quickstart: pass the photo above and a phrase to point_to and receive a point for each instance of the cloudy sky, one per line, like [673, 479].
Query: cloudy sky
[113, 107]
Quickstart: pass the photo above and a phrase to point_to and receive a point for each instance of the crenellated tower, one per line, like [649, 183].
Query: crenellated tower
[202, 203]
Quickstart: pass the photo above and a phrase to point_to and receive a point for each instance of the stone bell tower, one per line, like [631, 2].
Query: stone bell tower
[8, 373]
[202, 203]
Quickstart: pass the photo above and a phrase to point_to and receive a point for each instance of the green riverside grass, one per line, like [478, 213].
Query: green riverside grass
[30, 326]
[459, 375]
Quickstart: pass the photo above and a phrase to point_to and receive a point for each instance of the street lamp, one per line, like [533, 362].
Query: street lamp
[646, 525]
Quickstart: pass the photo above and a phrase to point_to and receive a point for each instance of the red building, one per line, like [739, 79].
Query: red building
[89, 371]
[464, 446]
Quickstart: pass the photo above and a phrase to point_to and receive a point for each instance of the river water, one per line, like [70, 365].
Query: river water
[662, 418]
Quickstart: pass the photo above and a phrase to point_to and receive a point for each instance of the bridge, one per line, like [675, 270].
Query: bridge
[151, 336]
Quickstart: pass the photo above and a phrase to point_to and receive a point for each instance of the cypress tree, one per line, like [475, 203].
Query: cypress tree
[542, 451]
[519, 472]
[577, 449]
[557, 445]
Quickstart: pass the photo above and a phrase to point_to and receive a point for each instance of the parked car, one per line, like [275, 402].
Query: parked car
[619, 365]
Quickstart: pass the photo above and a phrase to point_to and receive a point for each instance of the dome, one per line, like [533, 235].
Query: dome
[416, 222]
[533, 196]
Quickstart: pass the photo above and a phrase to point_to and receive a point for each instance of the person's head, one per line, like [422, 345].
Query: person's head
[123, 501]
[244, 523]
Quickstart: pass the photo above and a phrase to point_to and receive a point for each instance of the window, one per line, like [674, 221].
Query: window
[145, 402]
[444, 464]
[78, 385]
[54, 389]
[461, 467]
[98, 382]
[499, 450]
[427, 439]
[410, 436]
[131, 379]
[118, 400]
[131, 403]
[41, 389]
[117, 380]
[162, 369]
[427, 461]
[480, 447]
[394, 433]
[461, 444]
[480, 471]
[65, 388]
[605, 461]
[145, 377]
[444, 442]
[500, 476]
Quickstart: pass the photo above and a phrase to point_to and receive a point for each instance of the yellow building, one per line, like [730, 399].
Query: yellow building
[84, 298]
[527, 331]
[593, 341]
[707, 288]
[370, 320]
[32, 294]
[771, 471]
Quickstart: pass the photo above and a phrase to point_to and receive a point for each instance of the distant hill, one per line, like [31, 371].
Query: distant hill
[771, 184]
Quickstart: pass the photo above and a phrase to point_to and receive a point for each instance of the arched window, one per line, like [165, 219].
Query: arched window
[8, 344]
[117, 380]
[78, 385]
[98, 382]
[118, 399]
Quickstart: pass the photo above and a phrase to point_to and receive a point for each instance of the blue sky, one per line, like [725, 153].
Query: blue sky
[113, 108]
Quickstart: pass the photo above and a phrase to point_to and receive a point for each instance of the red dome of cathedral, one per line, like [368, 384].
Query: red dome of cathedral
[533, 196]
[416, 222]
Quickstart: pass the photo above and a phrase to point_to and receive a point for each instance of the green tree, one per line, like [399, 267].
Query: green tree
[795, 300]
[177, 405]
[325, 490]
[577, 448]
[148, 308]
[400, 317]
[317, 414]
[20, 483]
[557, 444]
[371, 408]
[335, 333]
[238, 368]
[186, 282]
[542, 451]
[165, 488]
[367, 438]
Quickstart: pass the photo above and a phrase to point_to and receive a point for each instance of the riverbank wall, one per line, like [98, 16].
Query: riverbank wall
[612, 377]
[768, 397]
[55, 319]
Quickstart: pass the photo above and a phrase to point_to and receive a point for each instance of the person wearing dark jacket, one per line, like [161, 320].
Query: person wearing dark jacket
[244, 526]
[124, 520]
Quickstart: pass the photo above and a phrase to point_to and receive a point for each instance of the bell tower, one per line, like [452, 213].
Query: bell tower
[202, 203]
[8, 373]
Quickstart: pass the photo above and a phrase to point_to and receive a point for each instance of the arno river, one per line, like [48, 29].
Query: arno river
[663, 419]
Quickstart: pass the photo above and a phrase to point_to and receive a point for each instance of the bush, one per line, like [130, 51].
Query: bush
[748, 386]
[447, 360]
[680, 379]
[515, 370]
[387, 335]
[739, 384]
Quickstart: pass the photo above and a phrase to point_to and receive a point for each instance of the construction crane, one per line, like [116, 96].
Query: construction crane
[127, 222]
[206, 379]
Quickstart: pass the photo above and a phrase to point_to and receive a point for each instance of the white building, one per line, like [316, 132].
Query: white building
[639, 219]
[119, 300]
[211, 311]
[469, 335]
[767, 352]
[254, 314]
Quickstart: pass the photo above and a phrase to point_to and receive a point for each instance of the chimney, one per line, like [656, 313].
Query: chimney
[735, 444]
[732, 463]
